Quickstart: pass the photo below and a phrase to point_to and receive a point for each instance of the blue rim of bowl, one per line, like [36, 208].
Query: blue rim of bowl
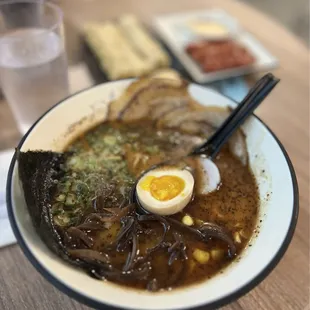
[99, 305]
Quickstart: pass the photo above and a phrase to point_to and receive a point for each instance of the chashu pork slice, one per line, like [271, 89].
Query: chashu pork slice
[169, 116]
[197, 128]
[204, 121]
[160, 107]
[118, 105]
[138, 100]
[214, 116]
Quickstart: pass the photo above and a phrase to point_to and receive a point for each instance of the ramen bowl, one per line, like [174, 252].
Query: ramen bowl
[269, 163]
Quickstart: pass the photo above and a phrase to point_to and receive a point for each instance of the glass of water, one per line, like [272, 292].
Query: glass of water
[33, 65]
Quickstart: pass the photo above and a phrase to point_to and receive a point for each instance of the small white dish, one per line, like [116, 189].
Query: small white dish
[278, 210]
[174, 31]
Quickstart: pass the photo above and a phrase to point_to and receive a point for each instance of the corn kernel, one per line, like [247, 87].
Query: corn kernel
[187, 220]
[191, 265]
[217, 254]
[201, 257]
[237, 237]
[199, 222]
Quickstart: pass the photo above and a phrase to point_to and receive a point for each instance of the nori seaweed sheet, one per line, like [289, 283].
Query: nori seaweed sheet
[39, 172]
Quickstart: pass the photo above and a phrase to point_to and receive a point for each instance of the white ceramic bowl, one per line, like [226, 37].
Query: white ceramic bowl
[271, 167]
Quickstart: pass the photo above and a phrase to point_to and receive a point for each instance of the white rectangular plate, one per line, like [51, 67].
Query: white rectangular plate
[174, 32]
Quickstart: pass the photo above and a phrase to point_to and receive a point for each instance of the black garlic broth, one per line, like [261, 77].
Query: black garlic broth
[99, 227]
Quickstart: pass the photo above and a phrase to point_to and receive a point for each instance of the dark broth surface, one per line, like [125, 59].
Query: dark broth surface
[99, 174]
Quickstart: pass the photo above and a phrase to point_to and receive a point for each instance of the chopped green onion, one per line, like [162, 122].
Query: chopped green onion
[70, 200]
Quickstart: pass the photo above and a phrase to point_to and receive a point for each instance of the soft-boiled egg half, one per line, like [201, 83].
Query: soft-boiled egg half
[165, 191]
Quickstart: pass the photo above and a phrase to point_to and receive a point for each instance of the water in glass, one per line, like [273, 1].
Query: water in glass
[33, 72]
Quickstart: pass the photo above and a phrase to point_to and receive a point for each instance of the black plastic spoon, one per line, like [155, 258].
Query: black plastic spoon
[255, 96]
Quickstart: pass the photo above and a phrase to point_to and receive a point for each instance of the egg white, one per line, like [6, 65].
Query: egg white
[173, 205]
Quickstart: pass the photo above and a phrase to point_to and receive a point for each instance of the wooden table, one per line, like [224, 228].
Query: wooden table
[286, 112]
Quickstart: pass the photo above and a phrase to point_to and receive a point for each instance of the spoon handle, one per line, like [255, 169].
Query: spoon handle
[254, 97]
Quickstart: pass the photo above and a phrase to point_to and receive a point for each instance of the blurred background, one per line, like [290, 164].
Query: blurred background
[293, 14]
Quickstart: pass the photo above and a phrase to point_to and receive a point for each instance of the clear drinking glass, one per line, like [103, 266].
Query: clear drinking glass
[33, 65]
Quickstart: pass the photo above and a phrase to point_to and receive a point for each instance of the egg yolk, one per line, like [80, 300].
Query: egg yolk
[163, 188]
